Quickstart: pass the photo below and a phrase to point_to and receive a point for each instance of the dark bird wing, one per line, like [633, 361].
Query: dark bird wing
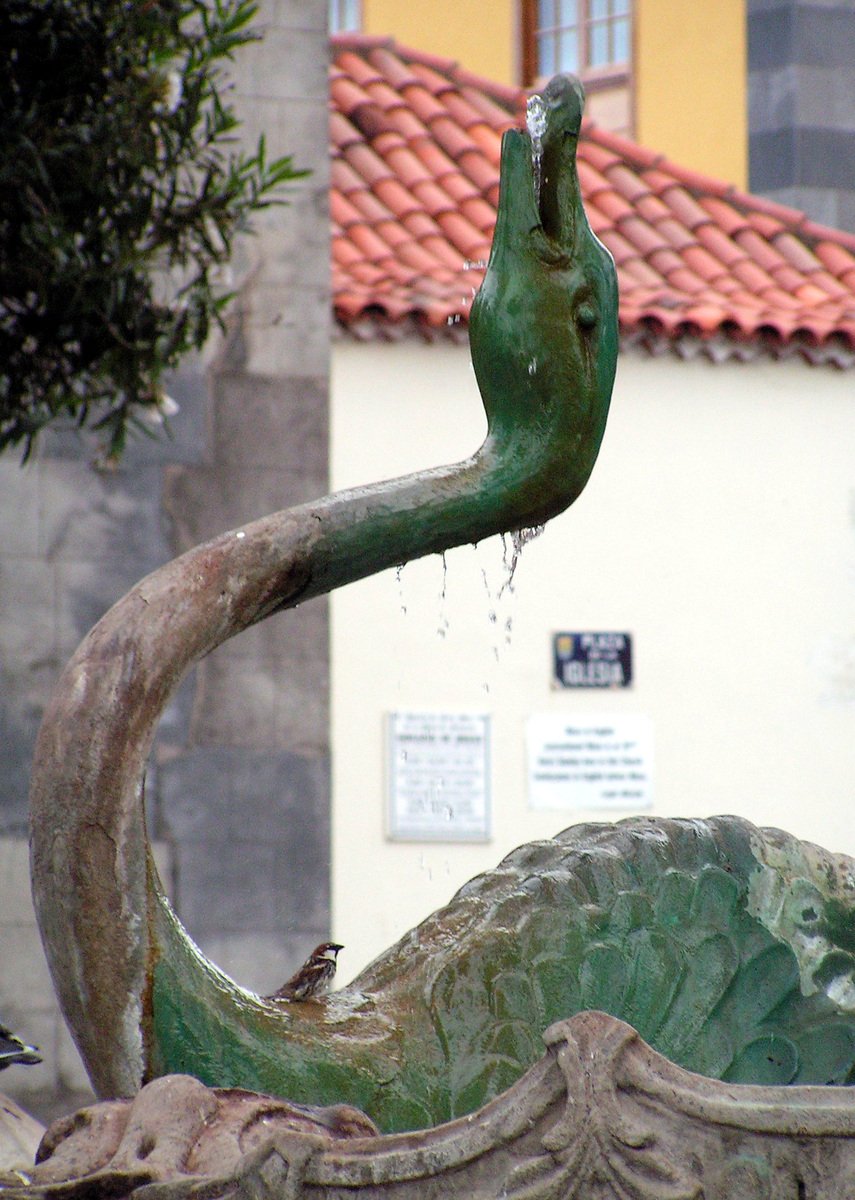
[308, 981]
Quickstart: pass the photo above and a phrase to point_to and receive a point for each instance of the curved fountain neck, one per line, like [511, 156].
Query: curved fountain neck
[359, 532]
[544, 344]
[102, 717]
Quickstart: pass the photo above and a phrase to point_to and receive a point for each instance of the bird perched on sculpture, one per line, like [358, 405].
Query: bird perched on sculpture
[13, 1050]
[315, 976]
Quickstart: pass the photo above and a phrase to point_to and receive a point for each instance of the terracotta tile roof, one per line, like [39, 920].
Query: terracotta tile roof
[703, 267]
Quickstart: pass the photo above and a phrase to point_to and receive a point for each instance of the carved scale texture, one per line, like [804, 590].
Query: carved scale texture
[677, 927]
[729, 948]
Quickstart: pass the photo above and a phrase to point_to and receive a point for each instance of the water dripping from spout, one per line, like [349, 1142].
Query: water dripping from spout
[511, 559]
[443, 623]
[399, 570]
[535, 119]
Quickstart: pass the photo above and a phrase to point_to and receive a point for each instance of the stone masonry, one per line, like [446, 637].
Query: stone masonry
[802, 105]
[237, 789]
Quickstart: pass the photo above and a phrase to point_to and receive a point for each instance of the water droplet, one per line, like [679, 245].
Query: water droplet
[399, 570]
[486, 583]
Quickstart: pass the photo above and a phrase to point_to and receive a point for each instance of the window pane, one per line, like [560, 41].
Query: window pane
[568, 51]
[598, 9]
[546, 54]
[598, 45]
[344, 16]
[568, 12]
[545, 14]
[620, 48]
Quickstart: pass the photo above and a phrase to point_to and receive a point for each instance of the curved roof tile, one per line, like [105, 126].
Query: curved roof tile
[703, 267]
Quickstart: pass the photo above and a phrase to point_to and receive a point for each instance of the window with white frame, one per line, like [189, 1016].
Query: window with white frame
[586, 37]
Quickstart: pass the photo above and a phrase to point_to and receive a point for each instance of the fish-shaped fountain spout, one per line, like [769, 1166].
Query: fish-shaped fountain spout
[138, 995]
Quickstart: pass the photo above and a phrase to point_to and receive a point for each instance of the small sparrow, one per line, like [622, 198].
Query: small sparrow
[314, 977]
[13, 1050]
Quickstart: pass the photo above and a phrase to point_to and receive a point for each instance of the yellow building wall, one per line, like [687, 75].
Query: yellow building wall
[689, 94]
[691, 98]
[482, 35]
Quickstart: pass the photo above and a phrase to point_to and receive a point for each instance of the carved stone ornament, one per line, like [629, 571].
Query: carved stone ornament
[602, 1116]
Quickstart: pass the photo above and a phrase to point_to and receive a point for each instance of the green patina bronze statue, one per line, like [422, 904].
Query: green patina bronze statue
[727, 947]
[139, 996]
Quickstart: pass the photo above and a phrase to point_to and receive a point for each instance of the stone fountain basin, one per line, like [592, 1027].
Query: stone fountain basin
[601, 1115]
[729, 948]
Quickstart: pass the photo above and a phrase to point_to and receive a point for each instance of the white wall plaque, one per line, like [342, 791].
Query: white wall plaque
[439, 776]
[589, 762]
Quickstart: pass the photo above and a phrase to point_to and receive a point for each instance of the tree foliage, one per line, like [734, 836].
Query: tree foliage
[121, 191]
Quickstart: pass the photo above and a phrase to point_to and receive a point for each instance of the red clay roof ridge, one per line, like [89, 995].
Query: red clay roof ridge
[508, 95]
[702, 263]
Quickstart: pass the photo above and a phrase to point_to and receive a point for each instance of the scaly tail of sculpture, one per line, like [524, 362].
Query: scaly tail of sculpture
[138, 996]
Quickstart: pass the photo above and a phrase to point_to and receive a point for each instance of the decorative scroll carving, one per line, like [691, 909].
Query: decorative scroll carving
[600, 1140]
[602, 1116]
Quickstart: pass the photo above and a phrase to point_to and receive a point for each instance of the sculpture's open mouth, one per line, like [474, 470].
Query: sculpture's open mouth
[553, 122]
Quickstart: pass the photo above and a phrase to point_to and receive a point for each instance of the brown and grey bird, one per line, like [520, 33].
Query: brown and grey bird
[13, 1050]
[314, 977]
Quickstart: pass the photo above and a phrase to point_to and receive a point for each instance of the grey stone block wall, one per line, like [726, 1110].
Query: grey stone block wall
[802, 105]
[251, 833]
[238, 785]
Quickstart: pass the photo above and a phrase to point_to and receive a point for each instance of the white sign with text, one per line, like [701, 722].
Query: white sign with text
[439, 776]
[590, 762]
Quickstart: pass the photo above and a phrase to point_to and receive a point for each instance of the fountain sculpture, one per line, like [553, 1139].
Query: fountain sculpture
[728, 948]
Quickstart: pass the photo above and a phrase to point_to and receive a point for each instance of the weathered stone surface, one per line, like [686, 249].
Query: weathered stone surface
[273, 423]
[174, 1130]
[253, 829]
[801, 112]
[601, 1115]
[20, 1135]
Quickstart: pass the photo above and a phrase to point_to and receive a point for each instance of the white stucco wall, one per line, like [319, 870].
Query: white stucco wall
[718, 529]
